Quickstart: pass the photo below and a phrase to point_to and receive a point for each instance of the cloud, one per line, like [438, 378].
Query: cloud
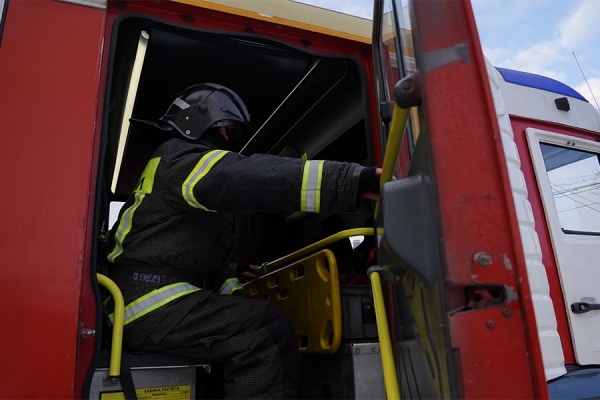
[581, 29]
[543, 58]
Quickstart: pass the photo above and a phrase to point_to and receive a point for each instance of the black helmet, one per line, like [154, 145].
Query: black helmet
[204, 106]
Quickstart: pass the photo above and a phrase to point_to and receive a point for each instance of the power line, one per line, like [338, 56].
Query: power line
[586, 81]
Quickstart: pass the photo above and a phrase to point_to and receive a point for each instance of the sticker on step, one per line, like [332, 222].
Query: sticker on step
[178, 392]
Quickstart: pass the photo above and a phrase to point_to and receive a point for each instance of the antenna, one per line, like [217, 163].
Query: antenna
[586, 81]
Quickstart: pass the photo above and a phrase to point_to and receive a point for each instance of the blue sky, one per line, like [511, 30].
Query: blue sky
[546, 37]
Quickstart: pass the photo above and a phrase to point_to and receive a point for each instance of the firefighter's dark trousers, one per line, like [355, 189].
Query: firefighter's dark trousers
[251, 338]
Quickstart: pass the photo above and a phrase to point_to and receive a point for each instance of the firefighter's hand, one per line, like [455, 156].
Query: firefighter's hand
[251, 275]
[368, 183]
[248, 276]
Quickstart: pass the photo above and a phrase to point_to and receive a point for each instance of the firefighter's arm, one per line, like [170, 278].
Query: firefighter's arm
[225, 181]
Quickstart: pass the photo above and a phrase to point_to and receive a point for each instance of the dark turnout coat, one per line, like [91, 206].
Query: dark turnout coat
[176, 229]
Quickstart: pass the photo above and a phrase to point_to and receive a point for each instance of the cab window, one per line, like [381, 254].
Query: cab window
[398, 61]
[574, 177]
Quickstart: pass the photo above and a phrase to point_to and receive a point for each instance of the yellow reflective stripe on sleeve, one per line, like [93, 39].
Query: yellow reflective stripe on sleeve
[310, 196]
[230, 286]
[144, 187]
[155, 299]
[200, 170]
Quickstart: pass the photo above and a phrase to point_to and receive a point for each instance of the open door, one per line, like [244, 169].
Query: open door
[462, 320]
[567, 171]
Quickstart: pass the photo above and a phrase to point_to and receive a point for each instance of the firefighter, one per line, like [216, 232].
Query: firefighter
[170, 248]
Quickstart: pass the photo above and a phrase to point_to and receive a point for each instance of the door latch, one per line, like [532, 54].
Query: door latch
[582, 307]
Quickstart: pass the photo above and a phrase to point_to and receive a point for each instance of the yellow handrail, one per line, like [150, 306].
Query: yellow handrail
[392, 148]
[269, 266]
[387, 354]
[397, 128]
[117, 336]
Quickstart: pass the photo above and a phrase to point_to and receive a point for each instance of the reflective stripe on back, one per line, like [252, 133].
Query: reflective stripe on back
[143, 187]
[200, 170]
[155, 299]
[310, 196]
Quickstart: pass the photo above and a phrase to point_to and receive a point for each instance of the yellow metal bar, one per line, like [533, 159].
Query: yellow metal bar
[117, 337]
[387, 355]
[268, 267]
[397, 128]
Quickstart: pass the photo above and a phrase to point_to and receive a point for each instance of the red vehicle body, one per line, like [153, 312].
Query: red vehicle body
[461, 297]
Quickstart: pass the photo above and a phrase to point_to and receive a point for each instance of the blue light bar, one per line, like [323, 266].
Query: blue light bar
[538, 82]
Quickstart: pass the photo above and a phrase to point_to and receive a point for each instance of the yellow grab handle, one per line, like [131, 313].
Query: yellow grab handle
[268, 267]
[117, 336]
[392, 148]
[387, 354]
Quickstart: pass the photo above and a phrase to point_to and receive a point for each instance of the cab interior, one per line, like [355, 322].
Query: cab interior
[302, 104]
